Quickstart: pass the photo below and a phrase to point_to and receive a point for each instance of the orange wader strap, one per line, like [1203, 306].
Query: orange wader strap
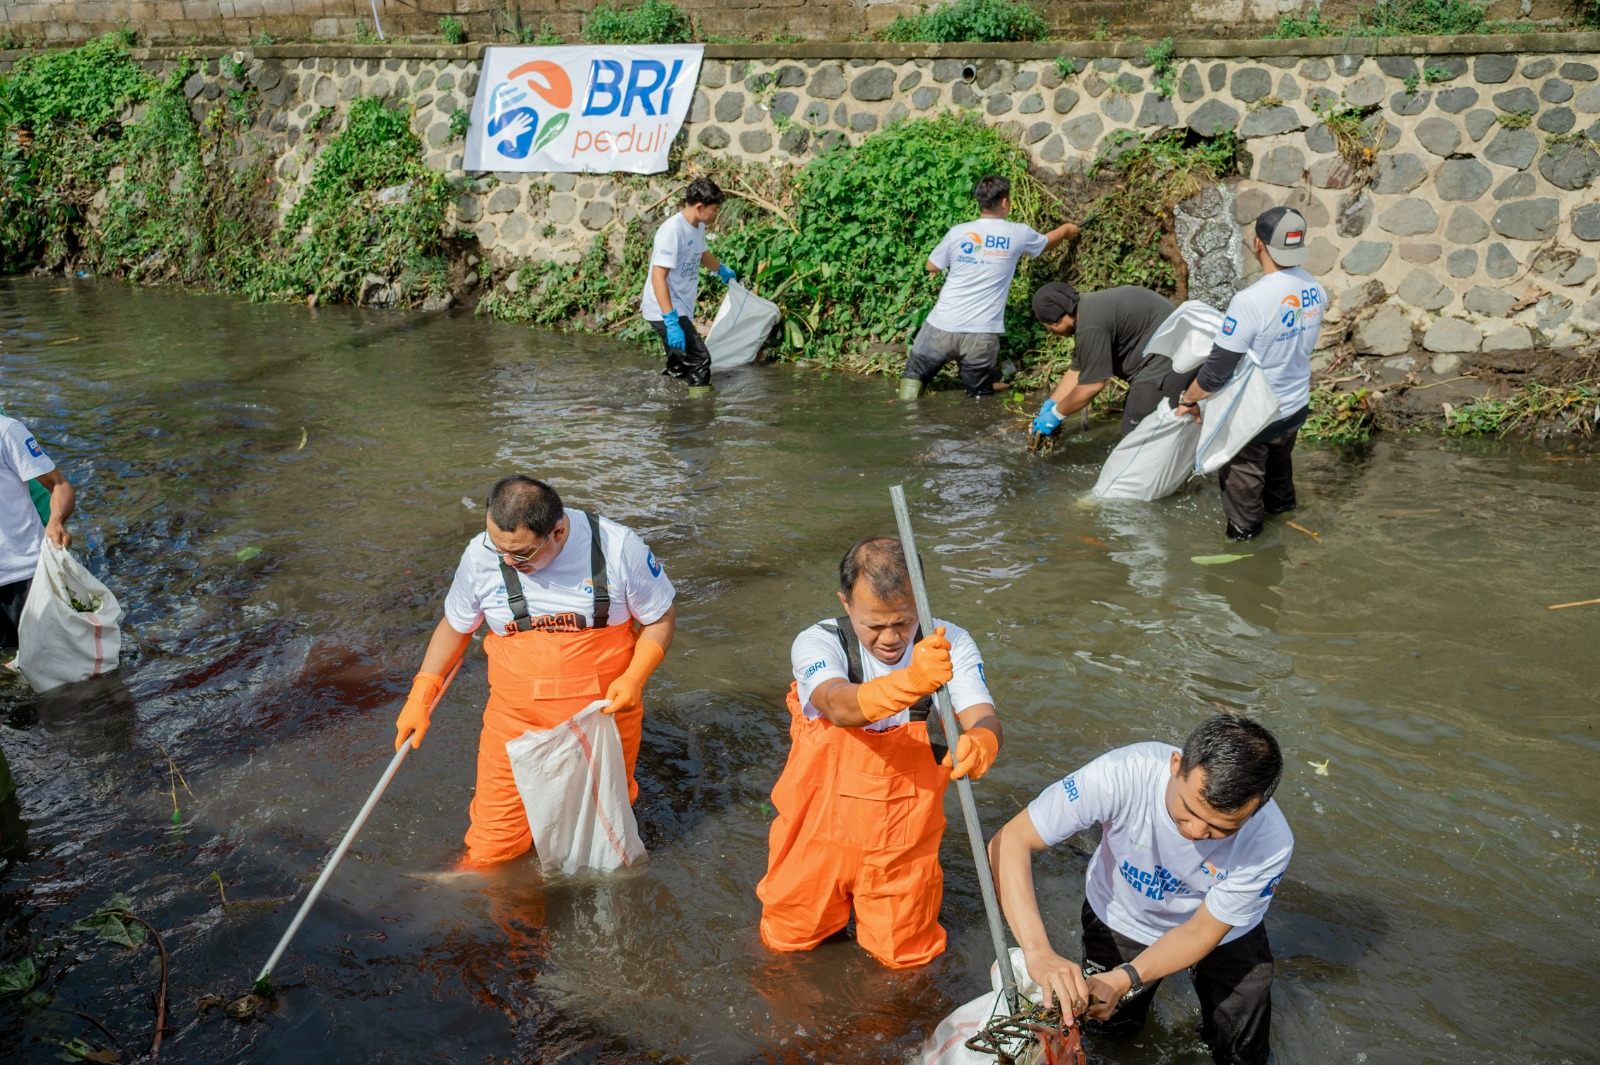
[597, 576]
[921, 710]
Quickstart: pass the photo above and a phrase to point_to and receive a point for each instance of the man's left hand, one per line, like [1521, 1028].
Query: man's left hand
[975, 752]
[57, 534]
[1193, 410]
[625, 694]
[726, 275]
[1108, 989]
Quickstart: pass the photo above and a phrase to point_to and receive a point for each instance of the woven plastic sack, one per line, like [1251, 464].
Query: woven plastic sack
[1233, 415]
[743, 323]
[574, 785]
[948, 1044]
[1186, 336]
[1152, 461]
[59, 643]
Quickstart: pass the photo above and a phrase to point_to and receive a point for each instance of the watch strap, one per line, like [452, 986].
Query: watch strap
[1135, 985]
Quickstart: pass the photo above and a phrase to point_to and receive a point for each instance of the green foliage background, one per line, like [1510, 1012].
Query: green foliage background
[971, 20]
[649, 22]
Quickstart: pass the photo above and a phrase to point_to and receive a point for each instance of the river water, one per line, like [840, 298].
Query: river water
[1441, 902]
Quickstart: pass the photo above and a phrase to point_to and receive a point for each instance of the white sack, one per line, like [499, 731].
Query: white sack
[743, 323]
[574, 786]
[948, 1044]
[1233, 415]
[59, 644]
[1186, 336]
[1153, 460]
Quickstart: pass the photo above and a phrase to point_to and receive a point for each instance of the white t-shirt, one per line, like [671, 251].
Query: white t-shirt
[21, 532]
[1146, 878]
[678, 247]
[563, 591]
[817, 656]
[1277, 320]
[980, 259]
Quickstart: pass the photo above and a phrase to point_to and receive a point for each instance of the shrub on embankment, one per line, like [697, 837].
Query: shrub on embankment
[104, 169]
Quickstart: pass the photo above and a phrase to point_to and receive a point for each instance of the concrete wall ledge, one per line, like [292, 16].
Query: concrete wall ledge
[1473, 44]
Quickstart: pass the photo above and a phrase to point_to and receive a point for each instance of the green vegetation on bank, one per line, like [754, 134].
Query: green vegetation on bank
[1574, 406]
[1338, 417]
[649, 22]
[971, 20]
[1401, 18]
[104, 168]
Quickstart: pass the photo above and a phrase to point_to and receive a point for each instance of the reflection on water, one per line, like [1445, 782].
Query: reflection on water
[1440, 902]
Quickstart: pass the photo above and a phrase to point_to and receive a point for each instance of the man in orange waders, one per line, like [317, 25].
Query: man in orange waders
[578, 610]
[861, 800]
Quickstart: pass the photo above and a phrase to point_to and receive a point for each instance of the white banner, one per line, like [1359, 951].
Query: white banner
[581, 109]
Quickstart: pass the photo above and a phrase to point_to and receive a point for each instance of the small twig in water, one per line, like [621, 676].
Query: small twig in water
[92, 1020]
[176, 770]
[1478, 851]
[1581, 602]
[218, 878]
[1297, 527]
[161, 996]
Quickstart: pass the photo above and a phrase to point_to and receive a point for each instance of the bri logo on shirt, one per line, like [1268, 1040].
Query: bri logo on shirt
[1229, 325]
[650, 560]
[1156, 885]
[587, 586]
[1211, 870]
[1272, 887]
[33, 449]
[1070, 786]
[811, 670]
[970, 242]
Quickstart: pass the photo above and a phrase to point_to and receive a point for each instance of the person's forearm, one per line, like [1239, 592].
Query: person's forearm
[1215, 372]
[981, 716]
[840, 703]
[445, 649]
[658, 281]
[710, 262]
[1065, 231]
[63, 500]
[1012, 862]
[660, 631]
[1178, 949]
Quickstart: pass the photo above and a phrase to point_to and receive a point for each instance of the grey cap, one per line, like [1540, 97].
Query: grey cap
[1283, 231]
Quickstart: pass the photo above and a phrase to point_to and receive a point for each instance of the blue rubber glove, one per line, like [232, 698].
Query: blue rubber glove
[726, 275]
[674, 330]
[1048, 420]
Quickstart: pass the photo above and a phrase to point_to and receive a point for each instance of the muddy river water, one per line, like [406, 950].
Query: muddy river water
[1440, 906]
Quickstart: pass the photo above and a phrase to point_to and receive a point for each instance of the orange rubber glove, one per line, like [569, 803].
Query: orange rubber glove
[627, 691]
[929, 671]
[419, 707]
[974, 754]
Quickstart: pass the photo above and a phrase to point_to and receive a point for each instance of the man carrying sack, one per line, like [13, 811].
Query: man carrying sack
[677, 255]
[861, 800]
[578, 610]
[21, 536]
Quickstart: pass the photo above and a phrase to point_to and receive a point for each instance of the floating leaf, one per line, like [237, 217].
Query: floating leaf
[245, 554]
[1321, 767]
[18, 977]
[177, 817]
[112, 928]
[1216, 560]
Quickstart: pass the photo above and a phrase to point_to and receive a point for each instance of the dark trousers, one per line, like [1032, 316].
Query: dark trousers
[1233, 983]
[692, 362]
[1153, 381]
[12, 597]
[1259, 480]
[977, 355]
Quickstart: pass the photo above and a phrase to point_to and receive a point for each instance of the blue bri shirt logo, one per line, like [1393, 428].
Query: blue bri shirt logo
[33, 449]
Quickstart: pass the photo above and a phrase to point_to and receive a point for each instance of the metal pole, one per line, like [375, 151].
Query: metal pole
[947, 717]
[349, 838]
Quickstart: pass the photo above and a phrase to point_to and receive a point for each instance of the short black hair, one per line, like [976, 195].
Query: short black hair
[1240, 757]
[702, 190]
[519, 502]
[990, 190]
[882, 561]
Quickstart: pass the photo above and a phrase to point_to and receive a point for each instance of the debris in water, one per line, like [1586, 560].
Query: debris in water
[1321, 767]
[1297, 527]
[245, 554]
[469, 504]
[244, 1008]
[1217, 560]
[1580, 602]
[304, 436]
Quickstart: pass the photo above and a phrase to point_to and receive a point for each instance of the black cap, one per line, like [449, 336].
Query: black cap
[1054, 301]
[1283, 231]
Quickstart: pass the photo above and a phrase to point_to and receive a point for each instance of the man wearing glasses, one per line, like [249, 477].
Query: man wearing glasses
[578, 610]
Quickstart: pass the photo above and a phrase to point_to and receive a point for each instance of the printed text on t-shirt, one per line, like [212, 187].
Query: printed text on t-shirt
[1155, 885]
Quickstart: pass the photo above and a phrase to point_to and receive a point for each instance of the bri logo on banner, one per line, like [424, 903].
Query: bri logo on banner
[533, 106]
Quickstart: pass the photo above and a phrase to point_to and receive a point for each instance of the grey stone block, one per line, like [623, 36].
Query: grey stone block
[1249, 204]
[1588, 101]
[1269, 122]
[1551, 312]
[1586, 222]
[910, 81]
[1445, 365]
[1386, 332]
[863, 122]
[1517, 187]
[873, 85]
[1283, 165]
[1462, 179]
[946, 69]
[924, 98]
[1366, 257]
[1347, 65]
[816, 114]
[1458, 99]
[1491, 302]
[1439, 135]
[438, 134]
[1288, 88]
[699, 109]
[1000, 105]
[1500, 262]
[378, 86]
[730, 106]
[832, 140]
[1451, 335]
[1251, 84]
[1094, 85]
[784, 103]
[1354, 215]
[755, 141]
[1190, 87]
[714, 137]
[828, 82]
[1494, 69]
[897, 113]
[1409, 217]
[1037, 132]
[1398, 66]
[1538, 68]
[1555, 91]
[1082, 132]
[1423, 290]
[713, 74]
[1157, 111]
[791, 76]
[503, 200]
[1579, 273]
[1331, 172]
[1479, 122]
[596, 213]
[468, 209]
[563, 182]
[1320, 99]
[1365, 91]
[1557, 120]
[1512, 147]
[1053, 150]
[1031, 104]
[1571, 166]
[1380, 130]
[961, 95]
[1315, 70]
[1578, 72]
[1463, 262]
[1118, 108]
[795, 140]
[1533, 219]
[1398, 172]
[447, 80]
[1410, 103]
[1421, 253]
[1065, 100]
[1519, 99]
[841, 115]
[1321, 255]
[326, 92]
[1024, 80]
[1211, 117]
[1511, 338]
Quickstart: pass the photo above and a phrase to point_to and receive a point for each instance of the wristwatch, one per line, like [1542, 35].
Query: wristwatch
[1135, 985]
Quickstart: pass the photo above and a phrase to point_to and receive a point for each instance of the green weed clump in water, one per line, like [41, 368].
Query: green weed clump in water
[1575, 406]
[1338, 417]
[971, 20]
[651, 22]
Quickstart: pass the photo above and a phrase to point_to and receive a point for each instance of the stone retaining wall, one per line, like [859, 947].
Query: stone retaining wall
[1476, 228]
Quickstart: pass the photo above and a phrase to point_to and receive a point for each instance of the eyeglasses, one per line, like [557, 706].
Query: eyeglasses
[529, 557]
